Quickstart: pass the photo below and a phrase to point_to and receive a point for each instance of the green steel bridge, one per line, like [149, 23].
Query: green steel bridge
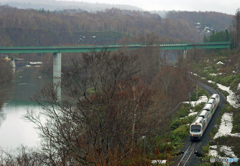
[167, 46]
[61, 49]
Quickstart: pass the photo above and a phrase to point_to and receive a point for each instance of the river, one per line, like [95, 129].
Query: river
[14, 129]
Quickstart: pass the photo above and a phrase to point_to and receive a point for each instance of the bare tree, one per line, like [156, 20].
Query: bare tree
[237, 17]
[23, 156]
[236, 28]
[149, 56]
[172, 86]
[6, 75]
[102, 113]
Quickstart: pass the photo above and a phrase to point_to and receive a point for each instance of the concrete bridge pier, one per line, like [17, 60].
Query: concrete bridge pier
[57, 58]
[13, 65]
[184, 52]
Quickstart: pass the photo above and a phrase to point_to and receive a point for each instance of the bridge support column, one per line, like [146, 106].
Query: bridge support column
[184, 52]
[13, 65]
[57, 57]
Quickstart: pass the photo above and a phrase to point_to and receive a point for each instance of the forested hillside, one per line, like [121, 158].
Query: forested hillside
[47, 28]
[219, 21]
[79, 27]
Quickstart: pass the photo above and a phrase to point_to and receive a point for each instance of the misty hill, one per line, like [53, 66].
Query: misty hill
[161, 13]
[53, 5]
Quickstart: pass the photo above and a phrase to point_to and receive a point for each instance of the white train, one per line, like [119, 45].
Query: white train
[200, 123]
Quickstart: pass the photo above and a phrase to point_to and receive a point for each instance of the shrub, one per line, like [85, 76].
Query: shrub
[188, 119]
[199, 107]
[236, 121]
[226, 80]
[222, 59]
[184, 111]
[213, 132]
[216, 78]
[202, 92]
[174, 124]
[205, 148]
[234, 83]
[182, 131]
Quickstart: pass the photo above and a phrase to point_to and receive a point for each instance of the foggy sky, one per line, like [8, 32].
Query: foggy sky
[223, 6]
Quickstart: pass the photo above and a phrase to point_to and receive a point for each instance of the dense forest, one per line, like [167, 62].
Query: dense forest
[219, 21]
[45, 28]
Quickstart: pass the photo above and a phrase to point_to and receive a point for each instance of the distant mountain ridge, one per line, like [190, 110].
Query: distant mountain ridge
[53, 5]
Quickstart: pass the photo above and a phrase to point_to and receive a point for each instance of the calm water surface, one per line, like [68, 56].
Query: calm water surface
[14, 130]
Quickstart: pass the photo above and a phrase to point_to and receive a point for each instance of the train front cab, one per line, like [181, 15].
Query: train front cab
[195, 132]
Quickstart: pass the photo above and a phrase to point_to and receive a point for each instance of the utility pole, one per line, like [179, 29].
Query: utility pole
[197, 93]
[189, 101]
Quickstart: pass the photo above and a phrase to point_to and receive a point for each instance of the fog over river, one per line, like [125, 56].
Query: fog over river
[14, 130]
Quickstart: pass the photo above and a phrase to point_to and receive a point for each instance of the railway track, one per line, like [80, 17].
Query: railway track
[208, 88]
[187, 154]
[192, 147]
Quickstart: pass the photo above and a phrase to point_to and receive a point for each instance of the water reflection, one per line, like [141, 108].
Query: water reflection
[2, 117]
[5, 92]
[14, 130]
[27, 82]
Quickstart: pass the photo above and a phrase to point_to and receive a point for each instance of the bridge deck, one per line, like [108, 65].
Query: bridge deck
[166, 46]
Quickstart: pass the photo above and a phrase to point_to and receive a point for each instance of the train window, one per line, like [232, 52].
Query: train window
[195, 128]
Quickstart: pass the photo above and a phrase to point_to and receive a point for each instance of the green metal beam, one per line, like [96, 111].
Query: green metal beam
[167, 46]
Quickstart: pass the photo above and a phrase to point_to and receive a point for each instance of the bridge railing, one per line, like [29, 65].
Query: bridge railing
[163, 46]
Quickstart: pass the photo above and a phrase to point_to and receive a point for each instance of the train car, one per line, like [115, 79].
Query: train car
[206, 115]
[211, 101]
[208, 107]
[200, 123]
[216, 97]
[196, 128]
